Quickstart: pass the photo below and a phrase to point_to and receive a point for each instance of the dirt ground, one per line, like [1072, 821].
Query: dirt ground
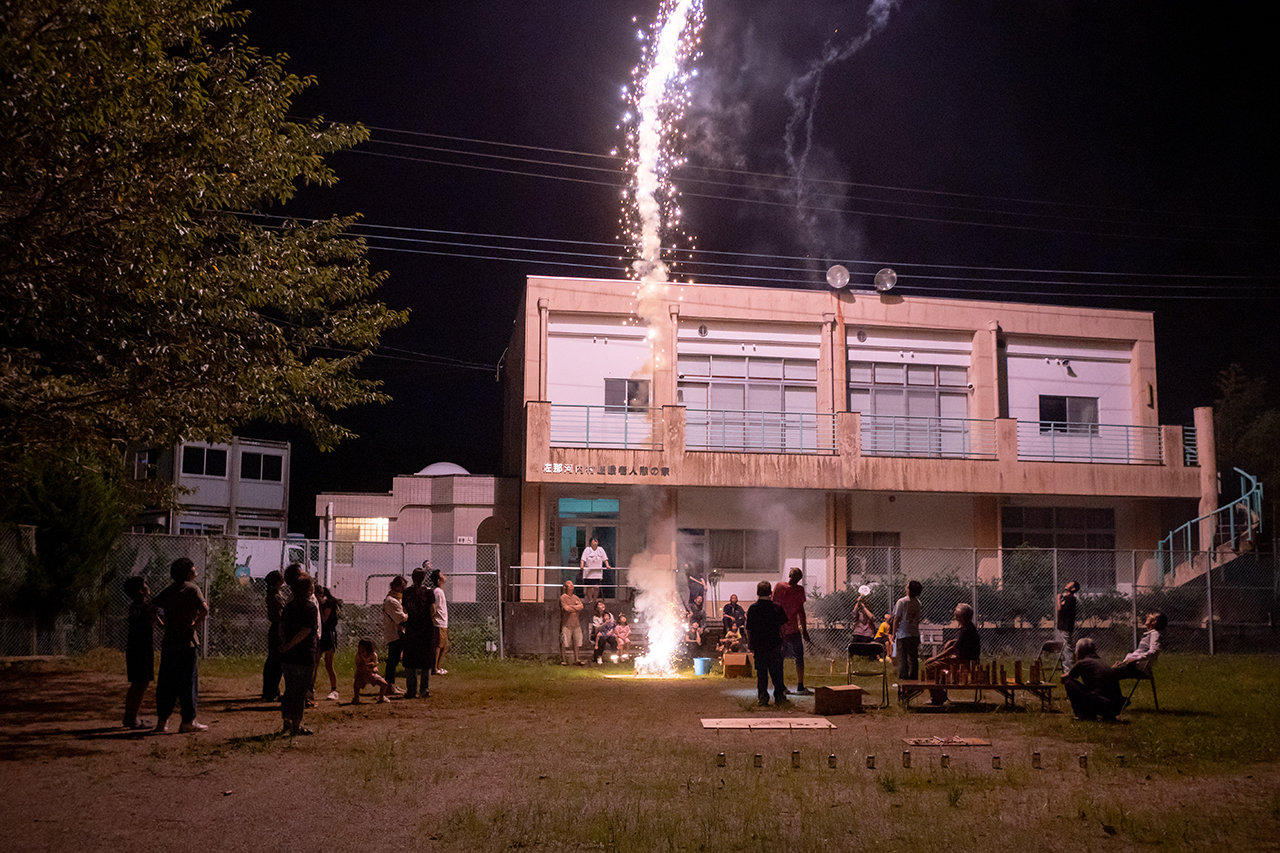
[493, 763]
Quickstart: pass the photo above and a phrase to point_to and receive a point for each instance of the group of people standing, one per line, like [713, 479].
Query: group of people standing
[415, 627]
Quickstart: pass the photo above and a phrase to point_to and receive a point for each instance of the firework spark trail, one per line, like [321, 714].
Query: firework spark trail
[661, 95]
[803, 91]
[659, 104]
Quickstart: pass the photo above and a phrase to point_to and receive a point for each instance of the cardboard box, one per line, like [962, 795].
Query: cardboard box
[841, 699]
[738, 665]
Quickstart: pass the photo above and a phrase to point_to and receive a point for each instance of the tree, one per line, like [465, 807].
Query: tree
[148, 294]
[1246, 427]
[78, 507]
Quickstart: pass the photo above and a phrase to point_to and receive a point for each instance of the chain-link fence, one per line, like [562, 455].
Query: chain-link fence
[1014, 596]
[232, 573]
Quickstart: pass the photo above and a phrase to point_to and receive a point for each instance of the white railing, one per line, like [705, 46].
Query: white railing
[1055, 441]
[955, 438]
[616, 427]
[760, 432]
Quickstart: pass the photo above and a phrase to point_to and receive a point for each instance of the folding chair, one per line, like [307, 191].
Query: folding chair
[869, 652]
[1150, 676]
[1051, 647]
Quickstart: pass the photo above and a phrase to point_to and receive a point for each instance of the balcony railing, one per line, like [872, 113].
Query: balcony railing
[1190, 453]
[942, 438]
[615, 427]
[760, 432]
[1055, 441]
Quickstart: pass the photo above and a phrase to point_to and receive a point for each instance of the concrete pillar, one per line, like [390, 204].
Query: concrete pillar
[1208, 455]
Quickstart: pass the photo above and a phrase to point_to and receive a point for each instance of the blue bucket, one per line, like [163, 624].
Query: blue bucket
[702, 666]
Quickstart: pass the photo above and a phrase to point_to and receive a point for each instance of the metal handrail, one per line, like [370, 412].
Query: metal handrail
[745, 431]
[1059, 441]
[902, 435]
[617, 427]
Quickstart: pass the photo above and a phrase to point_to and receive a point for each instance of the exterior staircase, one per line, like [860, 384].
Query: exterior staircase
[1231, 530]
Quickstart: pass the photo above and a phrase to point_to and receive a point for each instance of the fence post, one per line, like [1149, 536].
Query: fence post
[204, 643]
[1208, 594]
[1133, 595]
[497, 575]
[974, 589]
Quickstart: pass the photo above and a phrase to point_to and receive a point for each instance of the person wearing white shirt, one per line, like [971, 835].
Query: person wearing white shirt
[1138, 663]
[440, 616]
[593, 563]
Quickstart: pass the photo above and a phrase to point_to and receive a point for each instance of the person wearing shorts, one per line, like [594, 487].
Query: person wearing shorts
[593, 563]
[795, 632]
[570, 625]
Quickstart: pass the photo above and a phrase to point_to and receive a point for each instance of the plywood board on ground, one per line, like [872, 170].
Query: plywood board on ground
[754, 723]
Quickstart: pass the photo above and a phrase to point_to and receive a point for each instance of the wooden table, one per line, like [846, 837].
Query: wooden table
[908, 690]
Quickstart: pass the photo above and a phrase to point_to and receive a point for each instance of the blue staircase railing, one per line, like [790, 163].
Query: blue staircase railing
[1234, 525]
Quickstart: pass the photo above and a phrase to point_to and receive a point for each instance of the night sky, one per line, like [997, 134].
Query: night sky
[1111, 154]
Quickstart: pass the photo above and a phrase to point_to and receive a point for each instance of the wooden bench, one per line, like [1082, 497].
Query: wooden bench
[908, 690]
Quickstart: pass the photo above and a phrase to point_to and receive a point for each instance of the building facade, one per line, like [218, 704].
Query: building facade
[240, 489]
[739, 431]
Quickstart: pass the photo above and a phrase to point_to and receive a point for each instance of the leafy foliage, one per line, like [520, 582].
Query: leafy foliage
[146, 298]
[1247, 428]
[78, 507]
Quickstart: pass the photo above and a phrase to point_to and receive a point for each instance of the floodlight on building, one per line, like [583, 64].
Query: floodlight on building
[886, 279]
[838, 277]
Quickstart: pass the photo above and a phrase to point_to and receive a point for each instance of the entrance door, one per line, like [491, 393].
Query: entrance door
[575, 538]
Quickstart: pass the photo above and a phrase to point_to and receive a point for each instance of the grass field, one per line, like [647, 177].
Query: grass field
[521, 755]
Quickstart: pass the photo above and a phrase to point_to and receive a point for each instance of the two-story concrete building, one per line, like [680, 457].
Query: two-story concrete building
[747, 427]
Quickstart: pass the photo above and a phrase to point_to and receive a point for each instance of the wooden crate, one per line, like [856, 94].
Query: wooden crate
[840, 699]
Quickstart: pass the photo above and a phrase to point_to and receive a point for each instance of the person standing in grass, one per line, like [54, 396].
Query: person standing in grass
[570, 625]
[906, 632]
[182, 610]
[765, 619]
[1065, 623]
[330, 610]
[271, 672]
[419, 647]
[795, 633]
[393, 619]
[439, 616]
[299, 640]
[139, 652]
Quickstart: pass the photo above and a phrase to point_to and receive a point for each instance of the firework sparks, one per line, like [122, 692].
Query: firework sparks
[658, 97]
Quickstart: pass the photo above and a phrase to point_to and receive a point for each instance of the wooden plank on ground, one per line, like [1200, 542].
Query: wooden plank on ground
[754, 723]
[946, 741]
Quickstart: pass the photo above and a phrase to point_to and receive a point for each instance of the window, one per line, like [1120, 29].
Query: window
[754, 551]
[623, 394]
[748, 403]
[1085, 537]
[261, 466]
[204, 461]
[1069, 414]
[347, 531]
[200, 528]
[915, 390]
[258, 531]
[871, 555]
[145, 464]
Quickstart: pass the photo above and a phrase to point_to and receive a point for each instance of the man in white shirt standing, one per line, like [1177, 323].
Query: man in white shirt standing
[593, 563]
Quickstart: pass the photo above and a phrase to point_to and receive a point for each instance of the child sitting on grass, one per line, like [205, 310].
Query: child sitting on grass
[731, 642]
[367, 672]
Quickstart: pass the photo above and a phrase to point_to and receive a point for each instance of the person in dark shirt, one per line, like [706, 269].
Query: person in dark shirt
[139, 653]
[271, 672]
[734, 615]
[765, 619]
[299, 640]
[1092, 686]
[182, 609]
[1065, 623]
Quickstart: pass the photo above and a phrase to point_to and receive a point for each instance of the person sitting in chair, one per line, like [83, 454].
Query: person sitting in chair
[1138, 663]
[962, 651]
[1092, 686]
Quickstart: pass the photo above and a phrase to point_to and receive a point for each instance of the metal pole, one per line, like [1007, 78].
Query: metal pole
[497, 568]
[1133, 595]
